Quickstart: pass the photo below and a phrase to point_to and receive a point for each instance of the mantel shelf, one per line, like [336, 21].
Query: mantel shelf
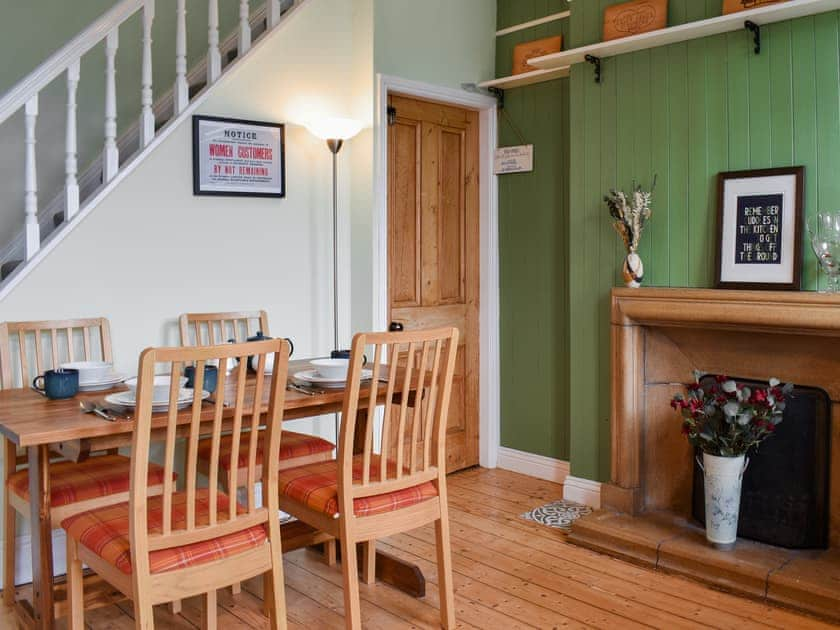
[527, 78]
[684, 32]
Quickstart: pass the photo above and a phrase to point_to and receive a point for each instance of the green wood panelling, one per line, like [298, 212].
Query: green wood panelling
[684, 112]
[534, 256]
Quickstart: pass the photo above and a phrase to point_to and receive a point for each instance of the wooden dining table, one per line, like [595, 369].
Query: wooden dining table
[46, 428]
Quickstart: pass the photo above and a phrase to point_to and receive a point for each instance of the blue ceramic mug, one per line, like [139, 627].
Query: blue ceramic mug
[211, 376]
[345, 354]
[58, 384]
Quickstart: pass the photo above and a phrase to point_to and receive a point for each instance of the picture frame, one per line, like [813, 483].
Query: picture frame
[759, 229]
[238, 158]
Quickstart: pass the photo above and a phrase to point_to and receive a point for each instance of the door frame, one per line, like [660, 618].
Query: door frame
[488, 377]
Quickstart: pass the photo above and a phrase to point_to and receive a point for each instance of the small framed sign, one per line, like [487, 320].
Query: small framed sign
[244, 158]
[759, 244]
[518, 159]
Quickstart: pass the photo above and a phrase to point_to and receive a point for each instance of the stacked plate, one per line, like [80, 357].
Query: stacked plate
[314, 377]
[128, 400]
[95, 376]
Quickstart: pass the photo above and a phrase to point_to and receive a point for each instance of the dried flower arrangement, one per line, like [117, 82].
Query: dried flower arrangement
[630, 213]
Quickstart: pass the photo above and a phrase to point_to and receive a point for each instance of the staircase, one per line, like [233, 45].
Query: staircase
[45, 223]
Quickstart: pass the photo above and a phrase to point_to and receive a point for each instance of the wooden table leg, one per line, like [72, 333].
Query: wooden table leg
[42, 558]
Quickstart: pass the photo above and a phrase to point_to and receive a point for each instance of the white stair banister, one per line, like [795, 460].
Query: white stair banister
[181, 90]
[71, 185]
[244, 27]
[147, 115]
[214, 56]
[272, 9]
[110, 156]
[30, 185]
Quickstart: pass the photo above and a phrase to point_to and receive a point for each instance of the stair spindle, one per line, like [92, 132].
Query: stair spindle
[244, 27]
[181, 89]
[147, 115]
[214, 55]
[30, 186]
[110, 157]
[71, 166]
[272, 13]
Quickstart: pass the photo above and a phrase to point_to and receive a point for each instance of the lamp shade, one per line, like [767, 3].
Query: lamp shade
[334, 128]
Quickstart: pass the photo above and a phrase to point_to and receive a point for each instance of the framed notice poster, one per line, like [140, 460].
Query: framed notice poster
[238, 157]
[760, 229]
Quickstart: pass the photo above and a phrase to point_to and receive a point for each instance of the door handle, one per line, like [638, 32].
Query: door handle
[395, 327]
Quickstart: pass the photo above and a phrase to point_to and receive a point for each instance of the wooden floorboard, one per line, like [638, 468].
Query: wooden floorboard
[509, 573]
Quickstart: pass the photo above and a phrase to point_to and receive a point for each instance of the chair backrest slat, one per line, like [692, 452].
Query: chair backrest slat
[201, 514]
[30, 347]
[213, 328]
[421, 364]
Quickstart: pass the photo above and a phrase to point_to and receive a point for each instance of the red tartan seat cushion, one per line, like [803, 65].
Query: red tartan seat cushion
[316, 486]
[292, 446]
[72, 482]
[104, 531]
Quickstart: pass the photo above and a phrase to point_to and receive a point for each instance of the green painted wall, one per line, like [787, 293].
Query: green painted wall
[533, 224]
[685, 112]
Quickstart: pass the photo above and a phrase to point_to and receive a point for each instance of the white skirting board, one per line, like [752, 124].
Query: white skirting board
[583, 491]
[538, 466]
[23, 551]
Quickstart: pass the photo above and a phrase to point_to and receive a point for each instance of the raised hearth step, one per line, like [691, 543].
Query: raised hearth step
[806, 580]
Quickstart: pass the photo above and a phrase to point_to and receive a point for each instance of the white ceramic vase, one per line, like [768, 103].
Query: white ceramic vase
[722, 477]
[633, 270]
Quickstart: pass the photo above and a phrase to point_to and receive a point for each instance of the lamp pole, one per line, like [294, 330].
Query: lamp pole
[334, 146]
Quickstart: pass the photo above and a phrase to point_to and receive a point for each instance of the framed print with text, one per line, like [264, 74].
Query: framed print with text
[759, 232]
[242, 158]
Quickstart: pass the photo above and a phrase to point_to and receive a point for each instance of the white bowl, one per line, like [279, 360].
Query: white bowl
[161, 387]
[334, 369]
[90, 371]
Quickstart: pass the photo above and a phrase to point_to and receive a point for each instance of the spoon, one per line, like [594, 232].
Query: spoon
[89, 406]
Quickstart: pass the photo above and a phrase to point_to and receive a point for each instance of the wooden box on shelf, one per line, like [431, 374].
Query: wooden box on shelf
[536, 48]
[632, 18]
[733, 6]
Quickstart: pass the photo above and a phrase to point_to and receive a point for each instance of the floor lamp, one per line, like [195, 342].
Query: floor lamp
[335, 131]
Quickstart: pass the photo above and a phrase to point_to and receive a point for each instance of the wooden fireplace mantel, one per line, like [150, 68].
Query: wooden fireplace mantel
[777, 311]
[659, 335]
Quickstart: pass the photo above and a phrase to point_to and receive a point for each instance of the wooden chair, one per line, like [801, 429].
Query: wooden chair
[195, 541]
[296, 449]
[74, 487]
[396, 482]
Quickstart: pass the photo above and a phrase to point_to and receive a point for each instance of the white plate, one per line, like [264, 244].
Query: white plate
[126, 399]
[312, 376]
[98, 386]
[90, 370]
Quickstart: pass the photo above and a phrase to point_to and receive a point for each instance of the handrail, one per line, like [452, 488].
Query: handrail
[59, 61]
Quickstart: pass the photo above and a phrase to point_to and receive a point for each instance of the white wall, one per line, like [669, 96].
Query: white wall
[152, 250]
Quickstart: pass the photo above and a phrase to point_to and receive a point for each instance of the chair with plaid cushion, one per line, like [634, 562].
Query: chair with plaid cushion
[157, 549]
[296, 449]
[26, 350]
[395, 479]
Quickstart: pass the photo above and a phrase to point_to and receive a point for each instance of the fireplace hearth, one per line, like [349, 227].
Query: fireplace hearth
[784, 496]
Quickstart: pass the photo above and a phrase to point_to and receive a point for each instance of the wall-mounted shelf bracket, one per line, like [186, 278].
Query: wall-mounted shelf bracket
[499, 93]
[595, 61]
[756, 31]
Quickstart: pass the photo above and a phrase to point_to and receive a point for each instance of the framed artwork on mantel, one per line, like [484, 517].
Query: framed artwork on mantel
[759, 232]
[239, 158]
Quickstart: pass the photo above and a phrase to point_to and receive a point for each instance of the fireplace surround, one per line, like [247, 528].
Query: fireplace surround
[659, 336]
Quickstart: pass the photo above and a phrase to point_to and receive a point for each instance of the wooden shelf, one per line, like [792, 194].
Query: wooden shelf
[543, 20]
[527, 78]
[684, 32]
